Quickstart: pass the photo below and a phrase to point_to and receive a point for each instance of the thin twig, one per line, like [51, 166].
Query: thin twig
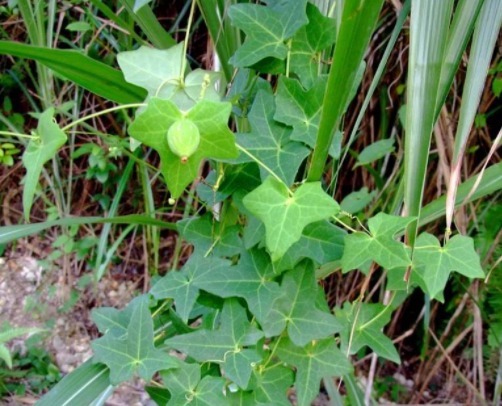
[455, 368]
[451, 347]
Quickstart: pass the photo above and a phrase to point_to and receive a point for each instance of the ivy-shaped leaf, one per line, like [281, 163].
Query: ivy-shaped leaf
[209, 236]
[114, 322]
[188, 388]
[314, 361]
[322, 242]
[379, 246]
[216, 140]
[267, 28]
[432, 263]
[49, 138]
[135, 353]
[308, 44]
[225, 345]
[153, 69]
[284, 215]
[254, 232]
[297, 309]
[181, 285]
[272, 385]
[362, 326]
[251, 279]
[270, 388]
[300, 108]
[270, 142]
[159, 72]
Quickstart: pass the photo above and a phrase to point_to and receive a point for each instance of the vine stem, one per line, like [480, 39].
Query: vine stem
[263, 165]
[100, 113]
[288, 58]
[337, 220]
[19, 135]
[185, 42]
[368, 323]
[272, 353]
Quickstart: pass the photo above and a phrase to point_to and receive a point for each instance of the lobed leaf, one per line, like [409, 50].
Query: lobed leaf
[308, 44]
[267, 28]
[226, 345]
[379, 245]
[322, 242]
[270, 142]
[296, 310]
[187, 387]
[159, 71]
[362, 326]
[432, 263]
[251, 279]
[284, 215]
[135, 353]
[216, 140]
[182, 285]
[314, 361]
[209, 236]
[301, 109]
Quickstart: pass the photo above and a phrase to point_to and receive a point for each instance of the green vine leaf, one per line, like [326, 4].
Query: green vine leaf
[272, 385]
[322, 242]
[188, 388]
[38, 152]
[182, 285]
[270, 141]
[379, 246]
[159, 72]
[300, 108]
[225, 345]
[308, 44]
[432, 263]
[267, 28]
[254, 232]
[153, 69]
[135, 353]
[270, 388]
[216, 140]
[297, 309]
[284, 215]
[314, 361]
[251, 279]
[362, 326]
[114, 322]
[209, 236]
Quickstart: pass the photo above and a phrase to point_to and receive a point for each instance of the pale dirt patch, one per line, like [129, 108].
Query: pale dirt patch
[30, 297]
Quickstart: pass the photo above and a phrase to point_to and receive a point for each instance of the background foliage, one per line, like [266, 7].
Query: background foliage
[337, 225]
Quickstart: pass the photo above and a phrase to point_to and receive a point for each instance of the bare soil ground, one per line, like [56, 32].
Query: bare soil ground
[30, 297]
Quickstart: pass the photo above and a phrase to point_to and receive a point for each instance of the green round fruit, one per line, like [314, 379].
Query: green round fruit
[183, 138]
